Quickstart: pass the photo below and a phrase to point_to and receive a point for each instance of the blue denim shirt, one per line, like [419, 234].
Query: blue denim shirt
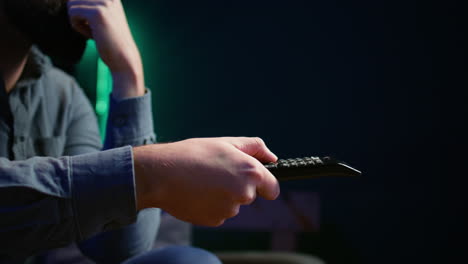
[56, 185]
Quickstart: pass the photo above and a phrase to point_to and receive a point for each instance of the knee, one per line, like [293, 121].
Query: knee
[118, 245]
[176, 255]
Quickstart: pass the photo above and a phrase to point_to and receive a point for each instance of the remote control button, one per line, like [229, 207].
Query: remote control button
[327, 160]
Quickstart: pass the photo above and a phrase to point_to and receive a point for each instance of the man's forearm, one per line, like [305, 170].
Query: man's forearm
[107, 24]
[128, 84]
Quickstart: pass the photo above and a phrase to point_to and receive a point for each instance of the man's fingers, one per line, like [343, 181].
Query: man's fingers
[249, 195]
[254, 147]
[82, 27]
[268, 186]
[87, 10]
[81, 17]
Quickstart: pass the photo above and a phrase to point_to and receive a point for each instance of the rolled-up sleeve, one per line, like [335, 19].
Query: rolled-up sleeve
[51, 202]
[103, 190]
[130, 122]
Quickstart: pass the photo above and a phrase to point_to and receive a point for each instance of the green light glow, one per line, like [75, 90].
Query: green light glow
[103, 85]
[103, 89]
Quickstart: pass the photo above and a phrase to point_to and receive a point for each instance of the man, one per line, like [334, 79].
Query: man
[57, 187]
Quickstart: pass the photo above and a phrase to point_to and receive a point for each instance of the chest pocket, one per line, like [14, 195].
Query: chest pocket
[24, 148]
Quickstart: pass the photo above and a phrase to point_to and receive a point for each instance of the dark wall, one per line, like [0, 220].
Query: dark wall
[364, 81]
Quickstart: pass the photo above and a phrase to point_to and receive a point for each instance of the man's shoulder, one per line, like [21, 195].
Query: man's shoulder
[58, 78]
[56, 82]
[60, 94]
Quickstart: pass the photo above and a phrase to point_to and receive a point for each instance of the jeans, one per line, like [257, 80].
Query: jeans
[134, 245]
[175, 255]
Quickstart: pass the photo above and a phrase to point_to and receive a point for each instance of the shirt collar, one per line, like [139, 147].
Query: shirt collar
[36, 65]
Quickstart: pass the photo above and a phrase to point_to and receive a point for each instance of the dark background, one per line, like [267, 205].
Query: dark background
[378, 84]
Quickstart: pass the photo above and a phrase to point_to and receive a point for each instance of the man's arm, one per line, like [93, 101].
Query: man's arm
[130, 122]
[203, 181]
[50, 202]
[83, 137]
[105, 22]
[130, 119]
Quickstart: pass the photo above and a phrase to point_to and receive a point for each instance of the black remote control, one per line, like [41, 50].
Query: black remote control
[310, 168]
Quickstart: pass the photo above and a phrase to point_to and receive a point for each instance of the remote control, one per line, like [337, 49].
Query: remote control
[310, 168]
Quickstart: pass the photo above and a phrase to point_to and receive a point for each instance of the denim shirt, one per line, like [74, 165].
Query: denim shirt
[56, 185]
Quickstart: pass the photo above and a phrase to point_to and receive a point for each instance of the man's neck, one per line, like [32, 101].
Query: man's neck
[12, 70]
[14, 52]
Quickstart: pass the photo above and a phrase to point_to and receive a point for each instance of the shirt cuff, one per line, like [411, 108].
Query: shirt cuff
[103, 191]
[130, 122]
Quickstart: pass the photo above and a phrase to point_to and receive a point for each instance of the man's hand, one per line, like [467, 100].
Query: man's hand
[204, 181]
[105, 22]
